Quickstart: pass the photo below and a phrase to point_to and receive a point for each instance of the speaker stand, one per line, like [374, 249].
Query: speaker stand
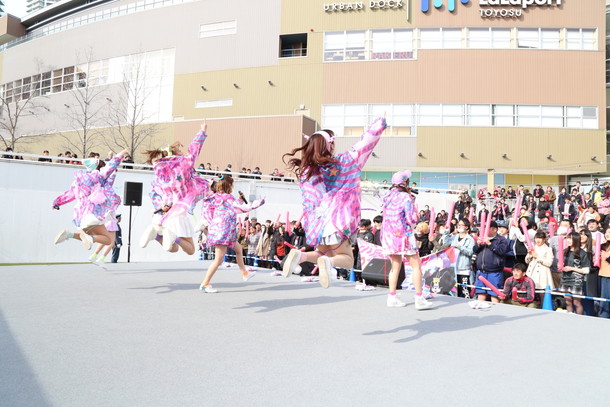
[129, 237]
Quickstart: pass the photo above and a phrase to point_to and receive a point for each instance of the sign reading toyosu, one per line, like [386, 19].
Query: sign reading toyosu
[488, 10]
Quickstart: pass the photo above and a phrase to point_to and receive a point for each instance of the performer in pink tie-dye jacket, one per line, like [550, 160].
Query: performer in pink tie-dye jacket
[397, 238]
[220, 214]
[176, 188]
[331, 198]
[96, 201]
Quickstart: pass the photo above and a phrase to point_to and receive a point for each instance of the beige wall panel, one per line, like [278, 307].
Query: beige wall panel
[301, 16]
[294, 85]
[473, 76]
[526, 149]
[393, 153]
[247, 142]
[532, 180]
[572, 13]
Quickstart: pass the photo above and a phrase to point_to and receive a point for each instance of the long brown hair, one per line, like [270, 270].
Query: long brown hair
[575, 237]
[314, 153]
[153, 154]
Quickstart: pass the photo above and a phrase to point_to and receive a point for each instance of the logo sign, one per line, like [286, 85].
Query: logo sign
[360, 5]
[498, 9]
[425, 4]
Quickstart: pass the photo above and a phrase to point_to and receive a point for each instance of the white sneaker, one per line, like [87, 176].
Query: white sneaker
[421, 303]
[61, 236]
[86, 240]
[249, 275]
[93, 258]
[324, 270]
[150, 233]
[394, 302]
[169, 238]
[291, 263]
[208, 289]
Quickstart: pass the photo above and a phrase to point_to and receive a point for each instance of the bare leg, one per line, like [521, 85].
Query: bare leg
[482, 297]
[99, 235]
[578, 305]
[343, 256]
[416, 275]
[239, 258]
[569, 304]
[396, 265]
[187, 244]
[220, 253]
[494, 299]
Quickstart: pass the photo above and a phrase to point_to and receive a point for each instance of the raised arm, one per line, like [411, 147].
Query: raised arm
[362, 150]
[113, 164]
[241, 207]
[197, 143]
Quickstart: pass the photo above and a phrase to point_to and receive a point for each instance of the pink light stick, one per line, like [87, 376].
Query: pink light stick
[530, 246]
[288, 228]
[560, 254]
[450, 215]
[551, 229]
[517, 209]
[482, 225]
[432, 224]
[598, 246]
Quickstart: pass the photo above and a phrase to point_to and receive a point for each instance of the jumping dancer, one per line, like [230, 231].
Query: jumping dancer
[220, 213]
[95, 202]
[398, 239]
[331, 198]
[111, 224]
[176, 188]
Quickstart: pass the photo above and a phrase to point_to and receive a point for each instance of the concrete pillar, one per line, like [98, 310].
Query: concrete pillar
[490, 181]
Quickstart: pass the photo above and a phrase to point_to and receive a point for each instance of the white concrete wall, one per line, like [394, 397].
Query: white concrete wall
[28, 224]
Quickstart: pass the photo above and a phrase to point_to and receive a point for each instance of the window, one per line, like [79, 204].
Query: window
[453, 115]
[430, 38]
[503, 115]
[391, 44]
[452, 38]
[479, 38]
[293, 45]
[552, 116]
[217, 29]
[334, 46]
[202, 104]
[528, 116]
[550, 38]
[355, 45]
[528, 38]
[478, 115]
[429, 115]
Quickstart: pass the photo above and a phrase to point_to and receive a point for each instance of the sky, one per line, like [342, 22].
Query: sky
[15, 7]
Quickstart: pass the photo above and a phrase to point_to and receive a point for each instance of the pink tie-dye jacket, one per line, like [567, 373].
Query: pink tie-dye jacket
[84, 184]
[399, 219]
[176, 183]
[219, 212]
[334, 195]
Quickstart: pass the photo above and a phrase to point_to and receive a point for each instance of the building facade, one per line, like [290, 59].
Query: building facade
[474, 91]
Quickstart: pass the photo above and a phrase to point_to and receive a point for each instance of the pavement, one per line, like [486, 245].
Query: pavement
[142, 334]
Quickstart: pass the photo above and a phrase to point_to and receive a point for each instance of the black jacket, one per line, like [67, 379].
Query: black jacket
[491, 258]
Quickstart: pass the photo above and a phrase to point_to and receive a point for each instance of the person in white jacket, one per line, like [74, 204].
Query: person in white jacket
[539, 263]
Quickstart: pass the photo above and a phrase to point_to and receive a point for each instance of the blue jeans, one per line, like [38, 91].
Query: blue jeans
[604, 309]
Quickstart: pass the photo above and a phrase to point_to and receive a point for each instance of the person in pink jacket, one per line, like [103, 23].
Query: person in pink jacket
[96, 201]
[176, 188]
[397, 238]
[220, 214]
[330, 186]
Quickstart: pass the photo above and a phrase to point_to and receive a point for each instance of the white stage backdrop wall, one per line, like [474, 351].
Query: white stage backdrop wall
[28, 223]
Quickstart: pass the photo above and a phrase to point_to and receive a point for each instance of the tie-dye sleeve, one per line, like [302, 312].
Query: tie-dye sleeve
[362, 150]
[195, 146]
[111, 167]
[410, 212]
[156, 199]
[243, 208]
[66, 197]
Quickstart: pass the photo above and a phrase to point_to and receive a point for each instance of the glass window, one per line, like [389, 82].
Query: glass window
[589, 118]
[334, 46]
[589, 39]
[430, 115]
[528, 38]
[383, 44]
[573, 38]
[528, 116]
[452, 38]
[355, 45]
[217, 29]
[552, 116]
[550, 38]
[403, 115]
[403, 44]
[503, 115]
[478, 115]
[430, 38]
[453, 115]
[479, 38]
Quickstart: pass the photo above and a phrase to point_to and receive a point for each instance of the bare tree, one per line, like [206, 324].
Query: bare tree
[129, 122]
[86, 110]
[20, 100]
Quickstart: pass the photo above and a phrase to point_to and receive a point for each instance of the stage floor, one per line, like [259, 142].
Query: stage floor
[143, 335]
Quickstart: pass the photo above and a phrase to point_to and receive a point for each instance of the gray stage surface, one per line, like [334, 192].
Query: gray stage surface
[143, 335]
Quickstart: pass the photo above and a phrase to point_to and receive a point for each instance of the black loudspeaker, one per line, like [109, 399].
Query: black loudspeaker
[133, 194]
[377, 272]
